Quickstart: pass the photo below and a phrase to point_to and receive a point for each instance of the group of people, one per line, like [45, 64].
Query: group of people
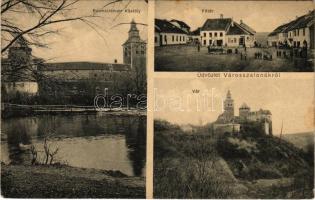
[260, 55]
[243, 53]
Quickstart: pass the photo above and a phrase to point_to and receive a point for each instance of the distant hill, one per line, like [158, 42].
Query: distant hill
[261, 38]
[300, 140]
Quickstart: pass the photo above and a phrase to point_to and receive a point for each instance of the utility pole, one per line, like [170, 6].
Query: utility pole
[281, 131]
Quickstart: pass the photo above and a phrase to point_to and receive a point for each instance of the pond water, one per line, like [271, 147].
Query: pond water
[108, 142]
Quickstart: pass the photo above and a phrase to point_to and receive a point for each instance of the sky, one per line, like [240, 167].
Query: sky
[262, 16]
[289, 99]
[79, 42]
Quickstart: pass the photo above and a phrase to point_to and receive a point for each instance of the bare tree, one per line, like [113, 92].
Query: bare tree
[45, 13]
[49, 153]
[34, 155]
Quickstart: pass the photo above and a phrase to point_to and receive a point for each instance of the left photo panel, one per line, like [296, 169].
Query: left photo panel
[73, 98]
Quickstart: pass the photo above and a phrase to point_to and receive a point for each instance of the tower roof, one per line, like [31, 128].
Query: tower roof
[20, 42]
[134, 36]
[133, 26]
[244, 105]
[228, 95]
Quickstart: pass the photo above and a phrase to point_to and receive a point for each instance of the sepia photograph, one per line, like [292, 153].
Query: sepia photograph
[234, 138]
[73, 98]
[234, 36]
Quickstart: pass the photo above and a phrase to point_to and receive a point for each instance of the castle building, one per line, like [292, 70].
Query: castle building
[228, 122]
[17, 71]
[68, 79]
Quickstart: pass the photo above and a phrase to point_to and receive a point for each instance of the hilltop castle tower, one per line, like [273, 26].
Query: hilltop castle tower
[134, 48]
[228, 107]
[244, 111]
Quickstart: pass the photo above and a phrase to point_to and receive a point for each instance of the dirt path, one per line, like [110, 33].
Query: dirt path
[263, 188]
[67, 182]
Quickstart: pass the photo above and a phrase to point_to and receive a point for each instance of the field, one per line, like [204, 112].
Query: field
[187, 58]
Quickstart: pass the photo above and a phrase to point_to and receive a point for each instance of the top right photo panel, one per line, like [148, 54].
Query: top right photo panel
[234, 36]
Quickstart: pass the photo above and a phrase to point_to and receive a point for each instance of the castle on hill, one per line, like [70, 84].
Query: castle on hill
[228, 122]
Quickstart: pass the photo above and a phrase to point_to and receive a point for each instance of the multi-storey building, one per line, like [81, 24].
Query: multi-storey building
[298, 33]
[226, 32]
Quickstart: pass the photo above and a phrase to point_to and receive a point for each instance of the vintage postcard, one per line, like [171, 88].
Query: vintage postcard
[234, 36]
[185, 99]
[73, 99]
[249, 138]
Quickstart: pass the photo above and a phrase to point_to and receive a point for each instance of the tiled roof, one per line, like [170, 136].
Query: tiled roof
[165, 26]
[181, 23]
[216, 24]
[236, 29]
[279, 29]
[195, 32]
[303, 21]
[260, 111]
[247, 28]
[300, 22]
[85, 66]
[244, 105]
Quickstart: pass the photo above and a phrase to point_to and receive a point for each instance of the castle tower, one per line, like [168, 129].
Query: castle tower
[134, 49]
[244, 111]
[20, 53]
[20, 61]
[19, 67]
[229, 107]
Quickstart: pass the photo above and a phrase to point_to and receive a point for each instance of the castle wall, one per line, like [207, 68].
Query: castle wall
[25, 87]
[101, 75]
[230, 128]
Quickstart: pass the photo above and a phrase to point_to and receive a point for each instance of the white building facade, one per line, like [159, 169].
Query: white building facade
[226, 32]
[168, 34]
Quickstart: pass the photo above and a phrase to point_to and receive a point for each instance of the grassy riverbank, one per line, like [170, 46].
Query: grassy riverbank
[27, 110]
[22, 181]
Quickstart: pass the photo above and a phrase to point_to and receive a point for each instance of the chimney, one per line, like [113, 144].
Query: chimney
[221, 16]
[241, 21]
[232, 22]
[115, 61]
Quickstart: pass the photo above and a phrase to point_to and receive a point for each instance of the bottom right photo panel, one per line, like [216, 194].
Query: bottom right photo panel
[234, 138]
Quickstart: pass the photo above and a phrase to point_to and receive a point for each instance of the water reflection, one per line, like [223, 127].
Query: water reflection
[93, 141]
